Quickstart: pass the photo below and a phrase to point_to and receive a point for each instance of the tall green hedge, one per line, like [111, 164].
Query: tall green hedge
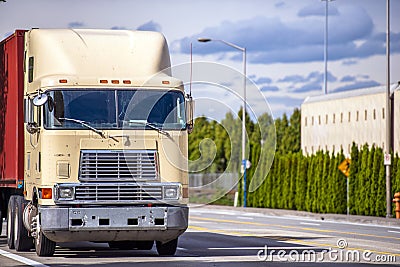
[314, 183]
[294, 181]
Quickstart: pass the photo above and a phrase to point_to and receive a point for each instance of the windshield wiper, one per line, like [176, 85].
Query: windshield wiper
[85, 124]
[151, 125]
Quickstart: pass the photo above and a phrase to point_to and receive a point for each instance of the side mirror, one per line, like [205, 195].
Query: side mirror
[32, 127]
[40, 100]
[189, 113]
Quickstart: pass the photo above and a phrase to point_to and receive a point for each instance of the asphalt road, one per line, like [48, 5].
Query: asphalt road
[230, 237]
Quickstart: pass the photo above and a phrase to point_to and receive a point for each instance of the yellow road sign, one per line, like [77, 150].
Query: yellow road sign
[344, 167]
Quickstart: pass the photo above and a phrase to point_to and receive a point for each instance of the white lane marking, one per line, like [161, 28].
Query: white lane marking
[292, 217]
[307, 223]
[245, 218]
[21, 259]
[276, 248]
[214, 212]
[182, 249]
[396, 232]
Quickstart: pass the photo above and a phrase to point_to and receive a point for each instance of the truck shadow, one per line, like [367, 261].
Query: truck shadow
[192, 244]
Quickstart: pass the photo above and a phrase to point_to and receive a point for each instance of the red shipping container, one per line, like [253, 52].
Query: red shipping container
[12, 110]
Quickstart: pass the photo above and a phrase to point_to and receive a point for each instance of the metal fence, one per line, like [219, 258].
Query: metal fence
[214, 181]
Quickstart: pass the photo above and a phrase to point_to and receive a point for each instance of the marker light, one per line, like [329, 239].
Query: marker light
[165, 82]
[63, 81]
[46, 193]
[103, 81]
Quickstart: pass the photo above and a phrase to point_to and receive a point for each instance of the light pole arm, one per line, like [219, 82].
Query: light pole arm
[244, 160]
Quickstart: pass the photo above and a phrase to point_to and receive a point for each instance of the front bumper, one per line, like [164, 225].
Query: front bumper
[66, 224]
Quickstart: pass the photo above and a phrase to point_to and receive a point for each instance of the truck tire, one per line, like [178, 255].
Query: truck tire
[10, 222]
[167, 249]
[43, 245]
[1, 222]
[22, 241]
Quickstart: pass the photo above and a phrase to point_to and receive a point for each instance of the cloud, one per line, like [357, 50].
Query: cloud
[317, 10]
[269, 88]
[150, 26]
[280, 4]
[263, 80]
[293, 79]
[76, 24]
[289, 101]
[349, 62]
[314, 77]
[301, 39]
[348, 78]
[314, 86]
[357, 85]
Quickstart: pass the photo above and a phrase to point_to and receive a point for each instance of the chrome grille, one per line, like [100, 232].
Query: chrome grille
[121, 165]
[117, 192]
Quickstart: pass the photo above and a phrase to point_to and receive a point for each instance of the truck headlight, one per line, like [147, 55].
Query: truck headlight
[66, 193]
[171, 192]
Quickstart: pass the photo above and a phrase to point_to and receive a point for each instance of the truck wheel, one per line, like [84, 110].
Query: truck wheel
[1, 223]
[22, 241]
[43, 245]
[167, 249]
[10, 222]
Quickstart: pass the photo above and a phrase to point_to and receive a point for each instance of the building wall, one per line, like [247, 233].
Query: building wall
[333, 122]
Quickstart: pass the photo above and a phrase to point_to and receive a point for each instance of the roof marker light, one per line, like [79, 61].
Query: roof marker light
[114, 81]
[127, 82]
[165, 82]
[103, 81]
[63, 81]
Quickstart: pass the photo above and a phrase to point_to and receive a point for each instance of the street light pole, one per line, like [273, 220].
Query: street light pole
[244, 160]
[388, 113]
[326, 47]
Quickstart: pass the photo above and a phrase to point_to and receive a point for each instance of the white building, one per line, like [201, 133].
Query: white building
[334, 121]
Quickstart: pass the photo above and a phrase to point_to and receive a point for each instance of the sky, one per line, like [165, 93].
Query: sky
[284, 41]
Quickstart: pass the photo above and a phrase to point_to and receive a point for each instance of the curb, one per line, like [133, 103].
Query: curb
[369, 220]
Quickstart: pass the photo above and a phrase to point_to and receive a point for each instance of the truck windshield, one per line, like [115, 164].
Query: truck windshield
[115, 109]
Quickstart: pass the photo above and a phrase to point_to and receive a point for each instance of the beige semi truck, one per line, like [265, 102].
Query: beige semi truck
[93, 138]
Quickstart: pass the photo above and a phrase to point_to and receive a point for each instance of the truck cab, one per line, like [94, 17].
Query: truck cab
[105, 142]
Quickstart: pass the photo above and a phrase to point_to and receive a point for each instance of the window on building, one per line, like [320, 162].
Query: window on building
[333, 118]
[365, 115]
[326, 119]
[312, 120]
[305, 121]
[319, 119]
[349, 116]
[341, 117]
[374, 114]
[357, 113]
[383, 113]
